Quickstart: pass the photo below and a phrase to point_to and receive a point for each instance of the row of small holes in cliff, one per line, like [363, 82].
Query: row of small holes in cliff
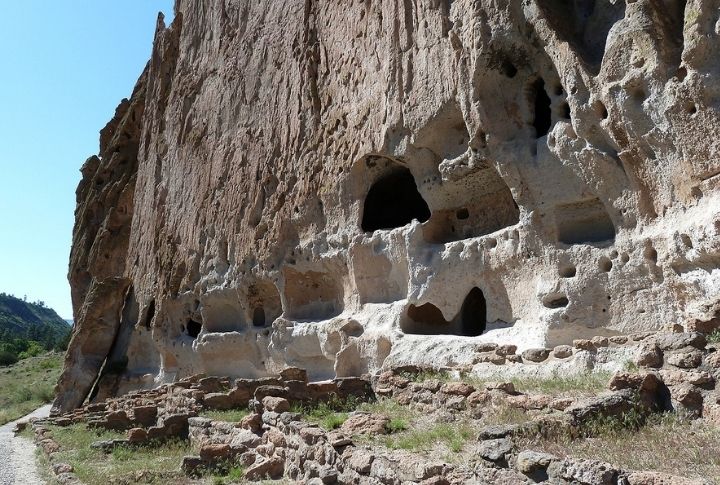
[311, 295]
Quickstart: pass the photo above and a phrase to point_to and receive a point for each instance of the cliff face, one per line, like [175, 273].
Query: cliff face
[342, 185]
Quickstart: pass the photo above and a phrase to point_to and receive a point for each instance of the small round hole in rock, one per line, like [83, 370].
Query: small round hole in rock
[686, 241]
[681, 73]
[605, 264]
[651, 254]
[568, 271]
[462, 214]
[492, 243]
[638, 94]
[555, 301]
[194, 328]
[508, 69]
[601, 110]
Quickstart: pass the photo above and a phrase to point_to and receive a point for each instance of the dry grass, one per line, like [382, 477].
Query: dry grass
[504, 414]
[28, 385]
[230, 415]
[666, 444]
[557, 385]
[417, 432]
[390, 408]
[93, 467]
[451, 436]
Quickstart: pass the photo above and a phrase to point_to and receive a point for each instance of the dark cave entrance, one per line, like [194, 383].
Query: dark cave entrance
[427, 319]
[194, 328]
[473, 314]
[393, 201]
[259, 317]
[543, 113]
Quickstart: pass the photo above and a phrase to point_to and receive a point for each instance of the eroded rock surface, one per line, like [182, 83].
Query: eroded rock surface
[340, 186]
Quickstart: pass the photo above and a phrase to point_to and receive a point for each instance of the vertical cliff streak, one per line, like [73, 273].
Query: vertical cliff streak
[342, 186]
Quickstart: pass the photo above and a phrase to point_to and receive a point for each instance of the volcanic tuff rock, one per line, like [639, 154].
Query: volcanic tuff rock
[340, 186]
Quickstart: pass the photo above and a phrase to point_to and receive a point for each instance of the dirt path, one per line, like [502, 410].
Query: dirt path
[17, 454]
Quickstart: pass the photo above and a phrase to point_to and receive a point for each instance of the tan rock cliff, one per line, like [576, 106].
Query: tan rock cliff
[342, 185]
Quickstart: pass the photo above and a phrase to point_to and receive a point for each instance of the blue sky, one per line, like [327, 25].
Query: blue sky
[65, 67]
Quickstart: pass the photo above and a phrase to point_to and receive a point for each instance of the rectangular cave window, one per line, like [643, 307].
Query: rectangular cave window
[582, 222]
[312, 295]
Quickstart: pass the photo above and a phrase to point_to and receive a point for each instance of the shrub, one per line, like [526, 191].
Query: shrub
[397, 424]
[714, 337]
[7, 358]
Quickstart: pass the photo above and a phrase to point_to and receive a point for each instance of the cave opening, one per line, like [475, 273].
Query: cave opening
[473, 314]
[259, 317]
[150, 314]
[543, 112]
[583, 222]
[393, 201]
[193, 328]
[427, 319]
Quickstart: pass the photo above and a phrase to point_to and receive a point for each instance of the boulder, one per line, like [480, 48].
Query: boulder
[649, 355]
[457, 389]
[586, 472]
[276, 404]
[562, 352]
[495, 450]
[137, 435]
[270, 468]
[584, 344]
[684, 360]
[535, 355]
[212, 453]
[609, 404]
[677, 341]
[365, 423]
[294, 374]
[534, 465]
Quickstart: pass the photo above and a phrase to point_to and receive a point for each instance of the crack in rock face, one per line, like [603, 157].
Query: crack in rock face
[346, 186]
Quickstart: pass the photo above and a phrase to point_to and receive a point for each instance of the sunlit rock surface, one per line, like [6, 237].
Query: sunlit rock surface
[342, 185]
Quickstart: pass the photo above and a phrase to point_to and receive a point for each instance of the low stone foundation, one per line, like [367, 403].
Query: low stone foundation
[655, 372]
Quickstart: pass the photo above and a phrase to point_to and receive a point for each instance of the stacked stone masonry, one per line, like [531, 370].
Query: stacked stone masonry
[673, 371]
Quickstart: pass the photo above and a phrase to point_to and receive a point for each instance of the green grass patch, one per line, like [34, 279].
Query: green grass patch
[93, 467]
[714, 337]
[230, 415]
[28, 385]
[329, 414]
[390, 408]
[227, 474]
[453, 436]
[588, 382]
[396, 425]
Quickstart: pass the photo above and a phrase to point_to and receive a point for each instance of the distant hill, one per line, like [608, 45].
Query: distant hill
[32, 321]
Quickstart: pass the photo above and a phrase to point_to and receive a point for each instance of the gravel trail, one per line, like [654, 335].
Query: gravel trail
[17, 454]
